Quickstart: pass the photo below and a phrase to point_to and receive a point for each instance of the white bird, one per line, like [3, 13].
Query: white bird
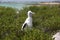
[28, 21]
[56, 36]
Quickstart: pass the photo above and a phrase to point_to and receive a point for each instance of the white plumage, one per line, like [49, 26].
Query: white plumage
[56, 36]
[28, 21]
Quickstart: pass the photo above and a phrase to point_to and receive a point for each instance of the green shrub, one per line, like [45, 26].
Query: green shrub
[46, 21]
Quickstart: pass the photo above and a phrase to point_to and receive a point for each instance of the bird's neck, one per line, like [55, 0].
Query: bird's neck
[29, 16]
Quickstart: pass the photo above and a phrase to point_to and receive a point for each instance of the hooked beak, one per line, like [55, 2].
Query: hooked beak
[33, 13]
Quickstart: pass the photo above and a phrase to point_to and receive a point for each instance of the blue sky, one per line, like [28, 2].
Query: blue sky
[26, 0]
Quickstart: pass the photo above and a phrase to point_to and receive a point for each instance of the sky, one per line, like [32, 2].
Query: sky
[26, 0]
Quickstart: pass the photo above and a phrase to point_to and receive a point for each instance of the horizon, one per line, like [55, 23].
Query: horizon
[26, 0]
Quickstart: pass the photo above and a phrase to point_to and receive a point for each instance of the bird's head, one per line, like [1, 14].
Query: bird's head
[30, 13]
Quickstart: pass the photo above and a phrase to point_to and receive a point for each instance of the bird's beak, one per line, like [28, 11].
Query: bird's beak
[33, 13]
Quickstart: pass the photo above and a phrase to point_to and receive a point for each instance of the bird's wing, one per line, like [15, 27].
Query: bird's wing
[23, 26]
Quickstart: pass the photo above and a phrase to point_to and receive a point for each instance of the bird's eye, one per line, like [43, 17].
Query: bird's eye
[30, 13]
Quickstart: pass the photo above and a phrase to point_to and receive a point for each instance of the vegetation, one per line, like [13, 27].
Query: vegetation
[46, 22]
